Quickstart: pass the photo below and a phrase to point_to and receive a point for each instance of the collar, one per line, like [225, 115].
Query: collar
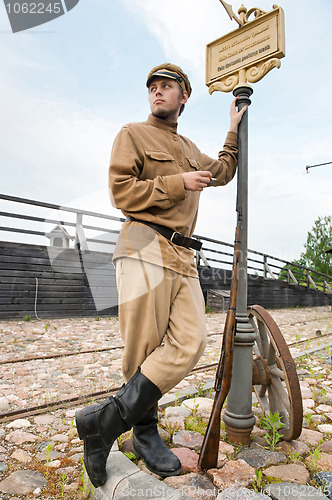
[163, 124]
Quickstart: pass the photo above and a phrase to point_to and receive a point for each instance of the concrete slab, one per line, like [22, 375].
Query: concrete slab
[126, 481]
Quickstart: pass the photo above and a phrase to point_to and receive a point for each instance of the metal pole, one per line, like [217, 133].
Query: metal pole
[239, 418]
[318, 165]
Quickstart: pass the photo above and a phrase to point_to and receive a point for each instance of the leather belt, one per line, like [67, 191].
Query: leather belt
[173, 236]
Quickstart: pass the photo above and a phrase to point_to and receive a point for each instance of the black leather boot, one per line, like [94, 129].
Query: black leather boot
[148, 445]
[99, 425]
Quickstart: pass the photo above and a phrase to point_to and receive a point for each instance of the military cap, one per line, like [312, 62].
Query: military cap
[172, 71]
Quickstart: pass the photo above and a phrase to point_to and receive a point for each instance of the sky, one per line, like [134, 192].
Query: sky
[68, 86]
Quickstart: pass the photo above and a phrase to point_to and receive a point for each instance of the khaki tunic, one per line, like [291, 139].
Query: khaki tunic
[145, 182]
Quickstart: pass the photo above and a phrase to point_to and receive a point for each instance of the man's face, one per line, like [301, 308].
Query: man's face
[166, 98]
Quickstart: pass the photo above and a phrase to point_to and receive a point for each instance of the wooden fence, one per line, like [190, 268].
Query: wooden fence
[57, 261]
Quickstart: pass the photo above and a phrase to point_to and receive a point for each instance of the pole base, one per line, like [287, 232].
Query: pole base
[238, 436]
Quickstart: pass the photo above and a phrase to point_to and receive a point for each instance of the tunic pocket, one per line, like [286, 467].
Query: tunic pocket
[158, 163]
[159, 155]
[194, 164]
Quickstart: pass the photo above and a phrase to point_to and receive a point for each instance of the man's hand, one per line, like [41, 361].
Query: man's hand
[196, 181]
[236, 116]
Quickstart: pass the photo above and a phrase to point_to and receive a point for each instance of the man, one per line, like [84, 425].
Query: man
[155, 178]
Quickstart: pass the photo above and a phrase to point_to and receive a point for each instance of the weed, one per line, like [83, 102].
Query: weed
[86, 487]
[130, 455]
[199, 388]
[272, 423]
[295, 456]
[323, 392]
[308, 417]
[315, 455]
[258, 485]
[177, 401]
[27, 318]
[196, 425]
[168, 427]
[62, 483]
[47, 452]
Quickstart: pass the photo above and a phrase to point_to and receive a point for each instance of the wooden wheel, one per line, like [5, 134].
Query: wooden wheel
[274, 374]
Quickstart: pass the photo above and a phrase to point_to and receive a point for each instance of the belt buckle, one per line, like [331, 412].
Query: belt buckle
[178, 239]
[174, 235]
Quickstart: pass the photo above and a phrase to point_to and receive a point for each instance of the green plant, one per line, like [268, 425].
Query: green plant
[199, 388]
[86, 487]
[272, 423]
[295, 456]
[196, 425]
[62, 483]
[208, 310]
[315, 454]
[130, 455]
[47, 452]
[168, 427]
[47, 325]
[323, 392]
[258, 485]
[308, 417]
[27, 318]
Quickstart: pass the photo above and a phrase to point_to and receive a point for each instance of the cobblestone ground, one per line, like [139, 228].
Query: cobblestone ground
[48, 443]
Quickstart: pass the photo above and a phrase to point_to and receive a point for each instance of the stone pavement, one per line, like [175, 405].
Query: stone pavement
[40, 455]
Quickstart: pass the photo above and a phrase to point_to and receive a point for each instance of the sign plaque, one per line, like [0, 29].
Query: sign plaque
[247, 53]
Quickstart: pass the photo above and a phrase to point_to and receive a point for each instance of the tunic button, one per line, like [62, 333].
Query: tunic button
[175, 138]
[180, 164]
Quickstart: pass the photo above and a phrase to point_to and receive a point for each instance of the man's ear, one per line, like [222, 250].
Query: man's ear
[185, 97]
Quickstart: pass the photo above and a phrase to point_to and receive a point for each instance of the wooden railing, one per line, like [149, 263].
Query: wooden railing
[80, 225]
[36, 226]
[220, 254]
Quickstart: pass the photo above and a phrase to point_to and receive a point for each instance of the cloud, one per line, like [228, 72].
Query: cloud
[54, 144]
[183, 28]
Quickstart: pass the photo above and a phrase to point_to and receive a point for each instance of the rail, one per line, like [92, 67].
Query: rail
[220, 254]
[78, 227]
[57, 225]
[83, 398]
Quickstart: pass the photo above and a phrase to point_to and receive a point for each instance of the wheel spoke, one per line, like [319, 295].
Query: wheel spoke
[271, 357]
[272, 400]
[282, 393]
[264, 402]
[276, 372]
[264, 338]
[262, 391]
[282, 410]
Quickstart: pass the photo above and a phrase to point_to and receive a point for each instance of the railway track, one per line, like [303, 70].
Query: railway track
[112, 348]
[81, 399]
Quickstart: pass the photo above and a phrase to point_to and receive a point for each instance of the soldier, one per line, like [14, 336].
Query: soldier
[155, 178]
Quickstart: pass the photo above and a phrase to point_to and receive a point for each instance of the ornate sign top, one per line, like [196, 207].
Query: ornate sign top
[247, 53]
[243, 13]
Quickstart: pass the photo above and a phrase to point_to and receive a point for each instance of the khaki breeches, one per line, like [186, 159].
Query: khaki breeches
[162, 322]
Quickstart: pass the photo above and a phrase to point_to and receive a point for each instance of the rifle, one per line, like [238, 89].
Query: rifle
[208, 457]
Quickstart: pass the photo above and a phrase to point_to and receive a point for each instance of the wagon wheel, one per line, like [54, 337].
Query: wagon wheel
[274, 374]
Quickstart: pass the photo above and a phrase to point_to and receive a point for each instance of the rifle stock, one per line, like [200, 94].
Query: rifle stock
[208, 457]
